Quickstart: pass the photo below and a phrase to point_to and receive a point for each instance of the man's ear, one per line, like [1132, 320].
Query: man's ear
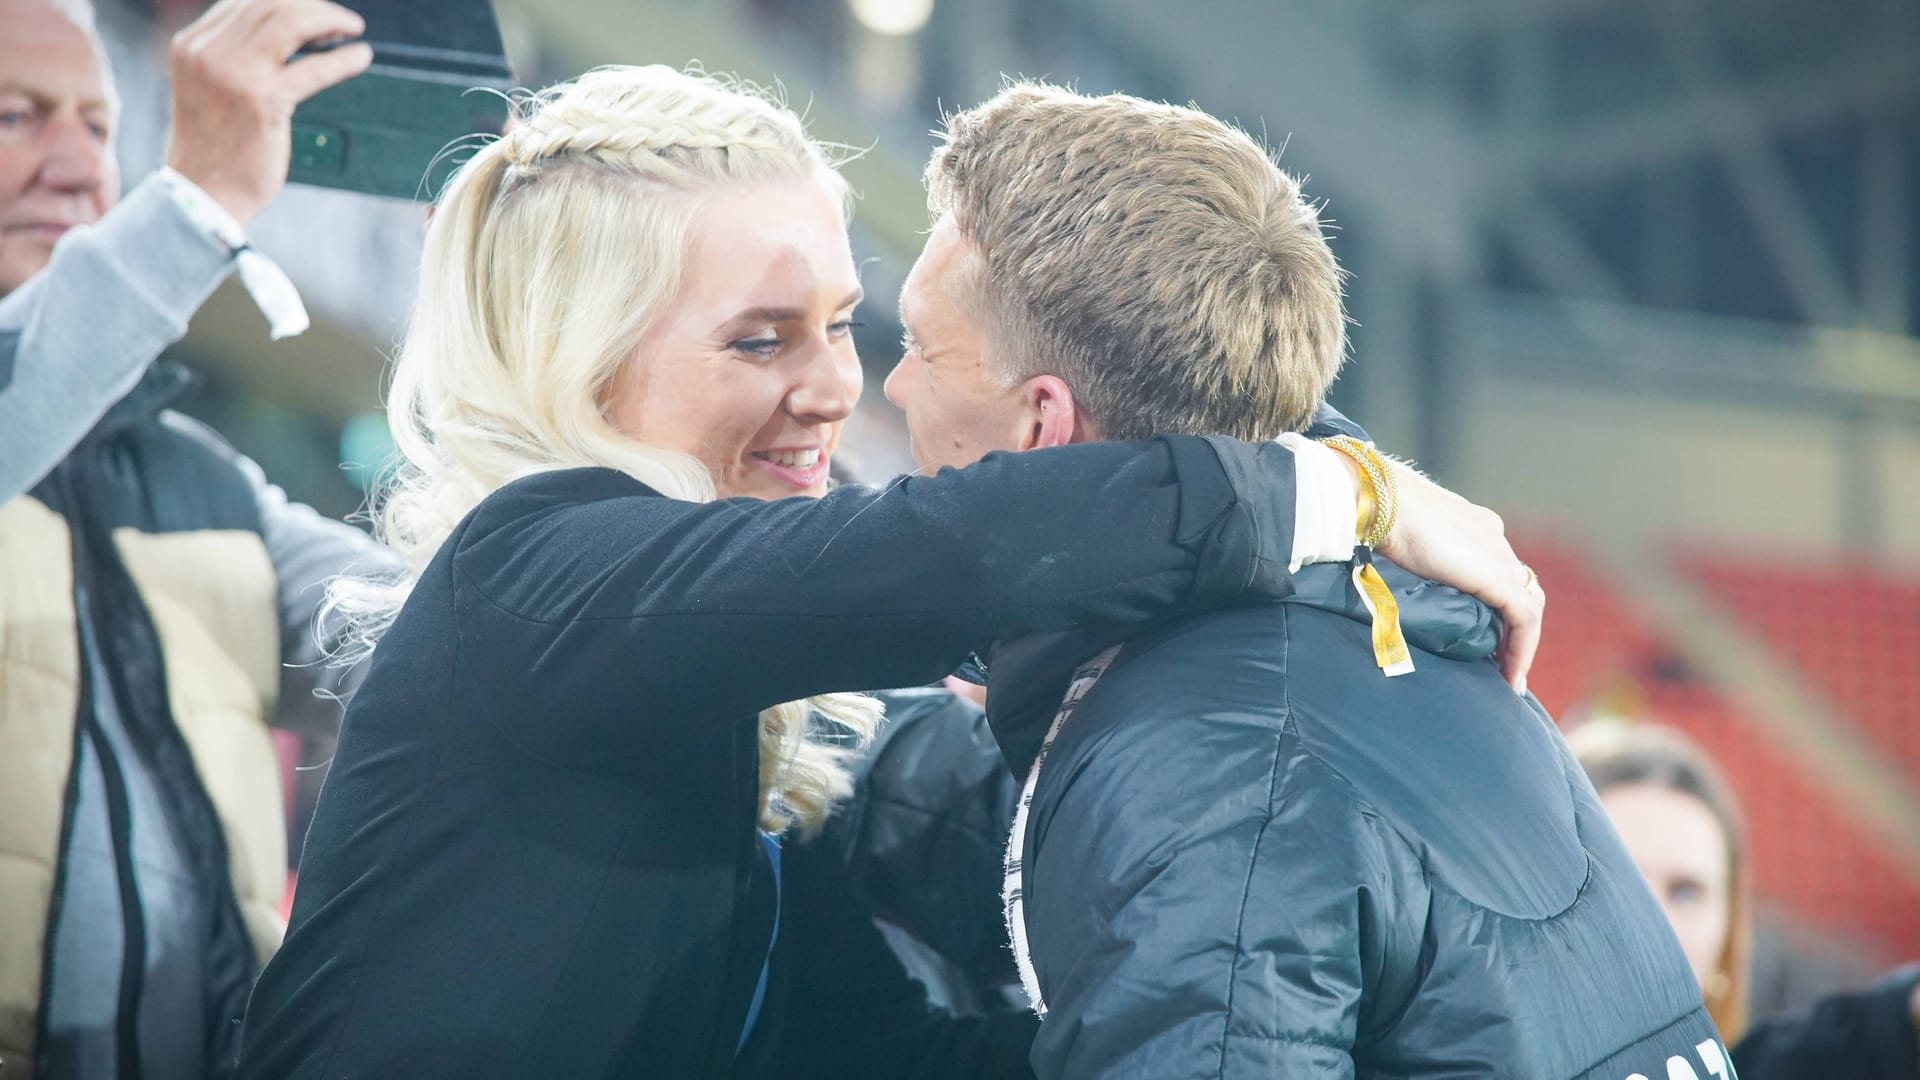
[1048, 415]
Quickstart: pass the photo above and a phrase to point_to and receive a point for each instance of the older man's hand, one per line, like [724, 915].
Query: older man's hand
[235, 84]
[1444, 537]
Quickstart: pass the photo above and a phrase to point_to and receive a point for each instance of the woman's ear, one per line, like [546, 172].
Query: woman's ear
[1048, 415]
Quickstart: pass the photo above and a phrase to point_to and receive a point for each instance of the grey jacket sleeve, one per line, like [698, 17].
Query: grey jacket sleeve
[77, 337]
[307, 551]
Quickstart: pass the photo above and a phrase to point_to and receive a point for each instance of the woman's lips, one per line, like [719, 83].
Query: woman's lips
[802, 470]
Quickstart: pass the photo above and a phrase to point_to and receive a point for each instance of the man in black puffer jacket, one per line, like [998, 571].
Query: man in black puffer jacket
[1249, 851]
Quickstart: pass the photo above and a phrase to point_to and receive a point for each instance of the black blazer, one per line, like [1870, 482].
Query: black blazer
[535, 854]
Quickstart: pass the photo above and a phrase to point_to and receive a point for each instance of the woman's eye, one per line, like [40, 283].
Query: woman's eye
[843, 328]
[1686, 893]
[763, 347]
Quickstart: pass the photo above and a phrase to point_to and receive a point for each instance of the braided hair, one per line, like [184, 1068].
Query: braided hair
[550, 253]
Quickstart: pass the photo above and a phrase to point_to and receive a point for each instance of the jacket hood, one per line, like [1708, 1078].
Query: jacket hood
[1028, 677]
[1435, 618]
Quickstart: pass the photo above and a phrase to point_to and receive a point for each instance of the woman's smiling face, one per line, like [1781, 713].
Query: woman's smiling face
[751, 368]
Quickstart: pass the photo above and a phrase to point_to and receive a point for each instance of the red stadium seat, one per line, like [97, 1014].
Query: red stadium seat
[1852, 631]
[1812, 857]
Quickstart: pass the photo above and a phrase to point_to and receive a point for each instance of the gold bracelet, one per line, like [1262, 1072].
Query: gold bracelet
[1389, 513]
[1379, 508]
[1379, 497]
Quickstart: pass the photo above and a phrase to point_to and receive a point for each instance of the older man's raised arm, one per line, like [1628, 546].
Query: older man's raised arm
[90, 292]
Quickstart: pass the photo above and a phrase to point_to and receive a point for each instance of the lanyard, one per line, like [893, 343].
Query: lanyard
[1012, 895]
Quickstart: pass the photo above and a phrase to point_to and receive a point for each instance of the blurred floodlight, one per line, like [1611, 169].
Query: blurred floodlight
[893, 17]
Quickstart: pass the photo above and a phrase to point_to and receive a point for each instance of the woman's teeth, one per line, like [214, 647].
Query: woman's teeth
[792, 459]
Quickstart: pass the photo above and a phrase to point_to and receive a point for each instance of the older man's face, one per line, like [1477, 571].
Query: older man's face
[57, 113]
[957, 412]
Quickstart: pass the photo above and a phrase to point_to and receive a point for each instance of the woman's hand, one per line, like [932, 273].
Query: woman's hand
[1445, 538]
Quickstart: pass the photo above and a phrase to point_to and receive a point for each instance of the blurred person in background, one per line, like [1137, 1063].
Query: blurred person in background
[551, 842]
[1683, 828]
[156, 594]
[1680, 821]
[1247, 851]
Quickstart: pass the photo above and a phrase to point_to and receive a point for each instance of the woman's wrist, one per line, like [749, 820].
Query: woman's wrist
[1328, 485]
[1379, 497]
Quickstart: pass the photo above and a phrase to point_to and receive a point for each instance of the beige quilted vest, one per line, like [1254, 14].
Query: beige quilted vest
[214, 601]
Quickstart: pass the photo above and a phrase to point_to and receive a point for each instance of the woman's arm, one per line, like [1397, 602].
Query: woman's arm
[730, 607]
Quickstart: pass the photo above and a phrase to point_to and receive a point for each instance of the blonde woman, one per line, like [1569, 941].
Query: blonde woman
[549, 843]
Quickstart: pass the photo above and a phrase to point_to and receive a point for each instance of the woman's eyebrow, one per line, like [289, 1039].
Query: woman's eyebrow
[767, 314]
[777, 313]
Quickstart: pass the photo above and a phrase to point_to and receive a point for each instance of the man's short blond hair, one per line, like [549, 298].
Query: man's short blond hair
[1152, 257]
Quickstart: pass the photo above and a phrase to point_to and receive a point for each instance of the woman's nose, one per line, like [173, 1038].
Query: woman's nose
[829, 386]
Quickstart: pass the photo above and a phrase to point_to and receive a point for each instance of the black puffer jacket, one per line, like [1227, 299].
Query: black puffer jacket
[1251, 854]
[921, 844]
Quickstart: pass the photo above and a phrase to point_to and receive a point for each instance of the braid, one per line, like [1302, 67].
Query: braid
[550, 253]
[556, 139]
[665, 117]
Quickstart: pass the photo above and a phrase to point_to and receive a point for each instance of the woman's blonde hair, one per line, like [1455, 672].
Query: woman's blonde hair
[550, 253]
[1615, 753]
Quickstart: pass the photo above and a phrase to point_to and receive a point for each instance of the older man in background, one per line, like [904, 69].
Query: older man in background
[157, 596]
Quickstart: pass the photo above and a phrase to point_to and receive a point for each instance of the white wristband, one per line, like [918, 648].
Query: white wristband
[1325, 506]
[272, 291]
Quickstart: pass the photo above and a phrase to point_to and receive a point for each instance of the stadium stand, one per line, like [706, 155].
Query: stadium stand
[1853, 630]
[1812, 859]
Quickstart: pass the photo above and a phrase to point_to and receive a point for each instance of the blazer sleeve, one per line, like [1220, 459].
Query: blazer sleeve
[669, 609]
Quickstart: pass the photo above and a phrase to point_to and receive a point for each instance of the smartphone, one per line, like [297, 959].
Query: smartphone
[396, 129]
